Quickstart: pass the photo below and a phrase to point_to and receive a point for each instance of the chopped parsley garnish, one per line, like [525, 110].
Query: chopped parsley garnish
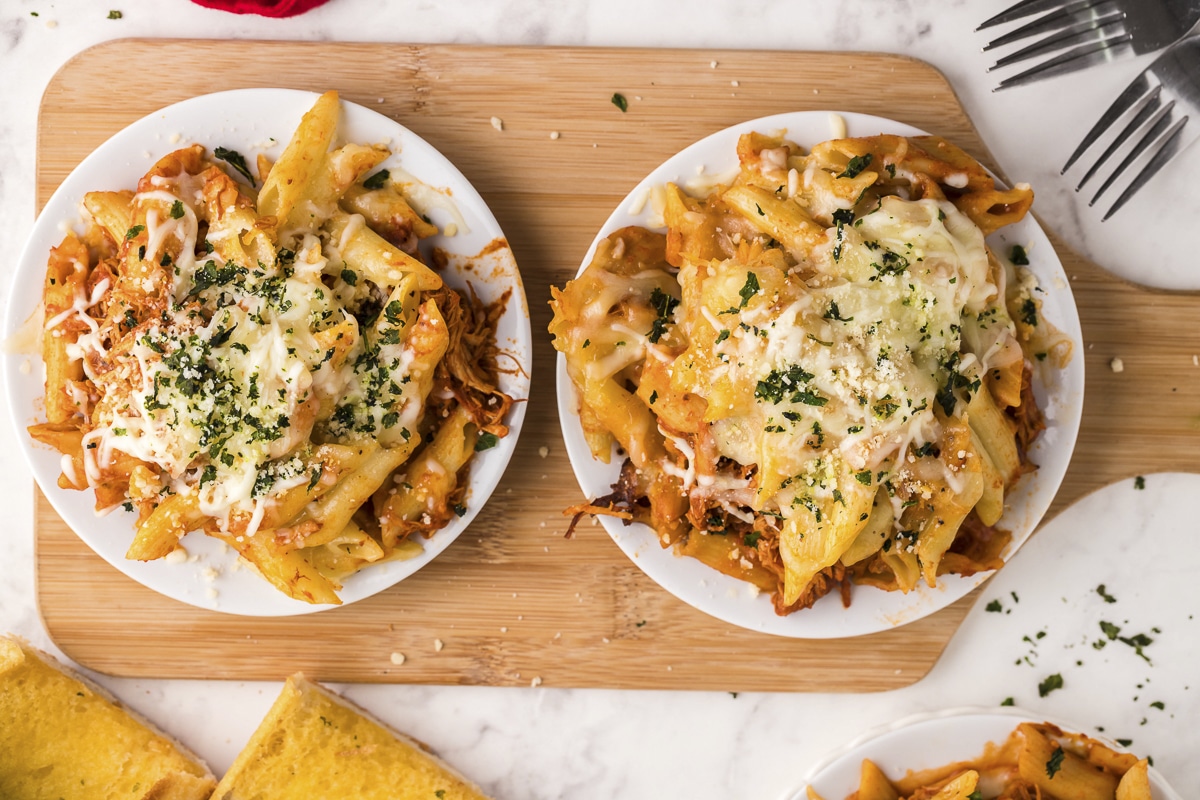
[460, 509]
[114, 14]
[234, 159]
[1055, 762]
[664, 305]
[1108, 598]
[350, 277]
[994, 606]
[749, 289]
[586, 344]
[722, 336]
[751, 539]
[177, 209]
[780, 382]
[891, 263]
[1051, 683]
[486, 441]
[856, 165]
[620, 102]
[1008, 701]
[843, 216]
[863, 477]
[927, 449]
[1139, 482]
[377, 180]
[209, 475]
[133, 232]
[835, 313]
[653, 396]
[1018, 256]
[1029, 312]
[210, 274]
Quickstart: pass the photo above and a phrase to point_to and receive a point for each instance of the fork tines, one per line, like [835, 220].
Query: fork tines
[1026, 8]
[1153, 119]
[1080, 32]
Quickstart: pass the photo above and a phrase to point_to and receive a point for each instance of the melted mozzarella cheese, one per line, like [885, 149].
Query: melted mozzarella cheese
[221, 388]
[845, 367]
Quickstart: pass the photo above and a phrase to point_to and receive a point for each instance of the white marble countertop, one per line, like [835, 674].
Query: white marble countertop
[547, 742]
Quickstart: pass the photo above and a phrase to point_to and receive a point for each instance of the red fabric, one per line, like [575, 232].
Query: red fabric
[264, 8]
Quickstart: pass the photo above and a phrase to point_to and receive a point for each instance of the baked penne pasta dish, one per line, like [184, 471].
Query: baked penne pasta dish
[819, 374]
[1038, 761]
[266, 358]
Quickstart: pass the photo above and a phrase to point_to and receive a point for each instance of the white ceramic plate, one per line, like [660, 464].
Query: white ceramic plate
[1060, 394]
[253, 121]
[932, 740]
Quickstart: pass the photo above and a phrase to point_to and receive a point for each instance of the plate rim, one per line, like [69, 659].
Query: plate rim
[121, 145]
[958, 586]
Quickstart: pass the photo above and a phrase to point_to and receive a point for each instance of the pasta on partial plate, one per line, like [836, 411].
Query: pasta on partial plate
[819, 374]
[277, 368]
[1038, 761]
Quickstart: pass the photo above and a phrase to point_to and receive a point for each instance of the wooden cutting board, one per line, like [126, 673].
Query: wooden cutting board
[511, 600]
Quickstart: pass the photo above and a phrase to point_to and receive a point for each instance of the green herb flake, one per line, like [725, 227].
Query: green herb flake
[1159, 704]
[1029, 312]
[722, 336]
[653, 397]
[460, 509]
[1051, 683]
[114, 14]
[1139, 483]
[620, 102]
[350, 277]
[235, 159]
[133, 232]
[994, 607]
[751, 539]
[1110, 630]
[1108, 598]
[1008, 701]
[1055, 762]
[486, 441]
[856, 165]
[177, 209]
[1018, 256]
[864, 478]
[377, 180]
[749, 288]
[664, 305]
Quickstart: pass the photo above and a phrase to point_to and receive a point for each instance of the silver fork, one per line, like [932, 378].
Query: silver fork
[1087, 32]
[1158, 104]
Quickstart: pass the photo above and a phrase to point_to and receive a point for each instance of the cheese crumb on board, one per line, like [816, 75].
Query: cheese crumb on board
[397, 658]
[497, 123]
[1117, 365]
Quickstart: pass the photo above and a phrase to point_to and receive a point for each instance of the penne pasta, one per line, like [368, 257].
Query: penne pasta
[259, 365]
[813, 372]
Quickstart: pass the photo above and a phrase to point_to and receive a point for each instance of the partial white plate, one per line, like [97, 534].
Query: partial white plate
[925, 741]
[1060, 394]
[253, 121]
